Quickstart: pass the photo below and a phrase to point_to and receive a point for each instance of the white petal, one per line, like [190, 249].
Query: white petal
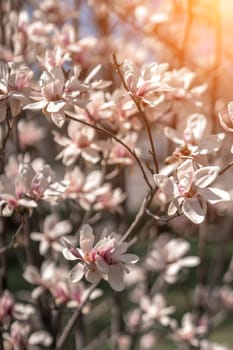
[115, 278]
[76, 274]
[164, 183]
[205, 176]
[102, 265]
[173, 135]
[193, 210]
[36, 105]
[86, 238]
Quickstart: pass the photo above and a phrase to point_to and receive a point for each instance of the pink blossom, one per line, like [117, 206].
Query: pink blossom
[107, 259]
[191, 191]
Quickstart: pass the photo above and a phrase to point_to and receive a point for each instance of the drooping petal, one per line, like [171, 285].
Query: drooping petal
[115, 278]
[214, 195]
[205, 176]
[36, 105]
[101, 264]
[193, 210]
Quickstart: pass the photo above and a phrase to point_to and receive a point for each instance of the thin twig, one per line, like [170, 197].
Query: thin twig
[226, 168]
[141, 112]
[73, 320]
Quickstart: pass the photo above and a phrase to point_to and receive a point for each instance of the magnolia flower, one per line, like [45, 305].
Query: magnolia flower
[28, 187]
[147, 82]
[15, 86]
[118, 154]
[20, 337]
[29, 133]
[168, 257]
[191, 191]
[107, 259]
[108, 198]
[56, 94]
[190, 332]
[53, 230]
[155, 309]
[47, 278]
[72, 294]
[78, 143]
[192, 141]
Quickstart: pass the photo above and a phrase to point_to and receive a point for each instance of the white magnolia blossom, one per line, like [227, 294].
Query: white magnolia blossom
[191, 191]
[107, 259]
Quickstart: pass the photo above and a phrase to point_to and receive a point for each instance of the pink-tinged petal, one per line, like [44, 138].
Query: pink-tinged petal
[15, 107]
[101, 264]
[164, 183]
[186, 171]
[214, 195]
[223, 124]
[205, 176]
[76, 274]
[193, 210]
[115, 278]
[230, 109]
[36, 105]
[93, 180]
[58, 118]
[72, 250]
[86, 238]
[55, 106]
[93, 275]
[129, 258]
[196, 123]
[2, 111]
[173, 135]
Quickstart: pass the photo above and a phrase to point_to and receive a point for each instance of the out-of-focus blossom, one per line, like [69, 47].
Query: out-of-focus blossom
[72, 294]
[168, 257]
[148, 341]
[53, 230]
[155, 309]
[47, 278]
[118, 154]
[15, 87]
[21, 337]
[108, 198]
[191, 191]
[29, 133]
[107, 259]
[80, 142]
